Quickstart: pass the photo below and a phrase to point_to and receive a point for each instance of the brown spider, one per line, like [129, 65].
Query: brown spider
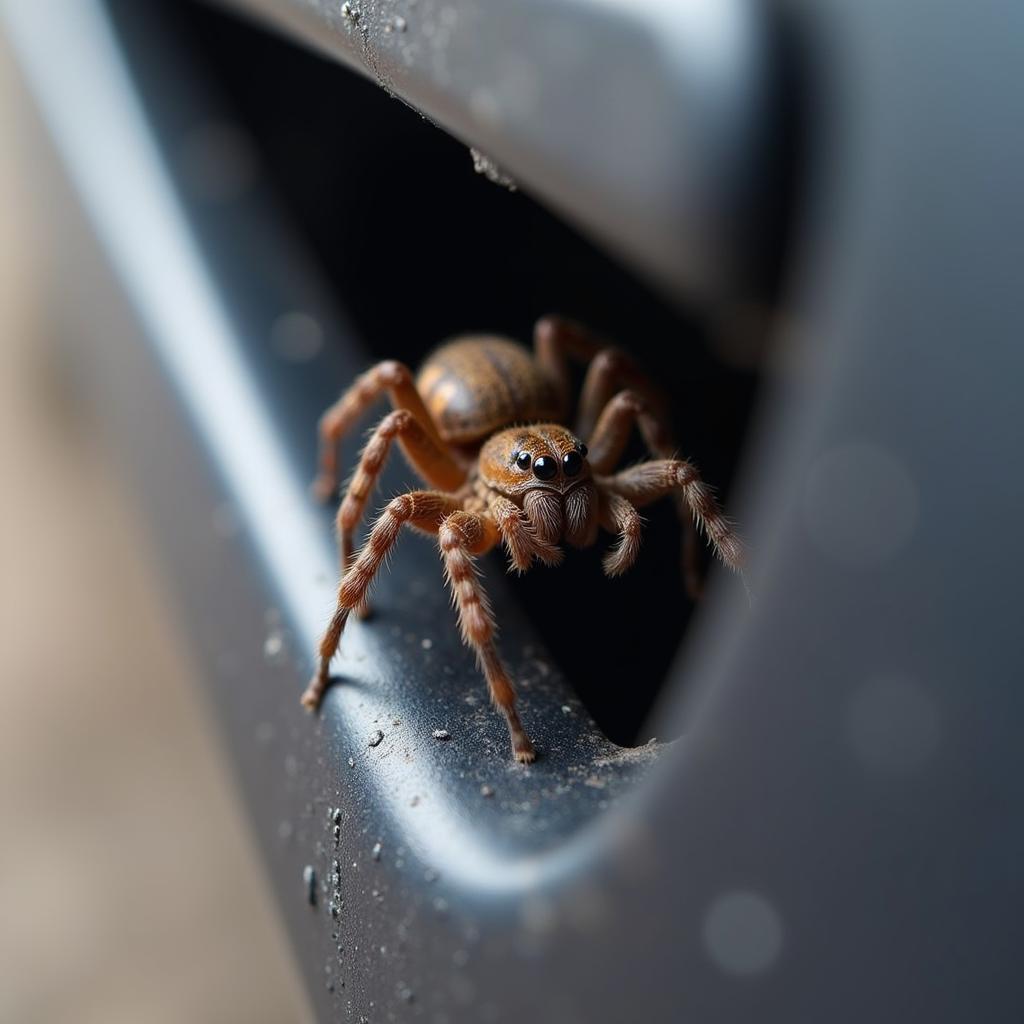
[528, 487]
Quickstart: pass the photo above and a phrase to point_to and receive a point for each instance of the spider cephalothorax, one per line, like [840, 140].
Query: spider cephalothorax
[528, 488]
[544, 470]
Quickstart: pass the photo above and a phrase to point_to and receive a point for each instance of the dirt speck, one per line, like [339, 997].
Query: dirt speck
[375, 852]
[376, 737]
[486, 790]
[484, 165]
[309, 881]
[442, 734]
[273, 645]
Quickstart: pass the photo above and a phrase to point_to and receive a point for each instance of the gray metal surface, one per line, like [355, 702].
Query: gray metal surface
[838, 835]
[650, 124]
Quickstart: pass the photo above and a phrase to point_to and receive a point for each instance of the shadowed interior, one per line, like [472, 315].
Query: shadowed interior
[417, 248]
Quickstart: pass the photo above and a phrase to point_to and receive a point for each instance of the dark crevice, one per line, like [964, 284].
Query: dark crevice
[417, 247]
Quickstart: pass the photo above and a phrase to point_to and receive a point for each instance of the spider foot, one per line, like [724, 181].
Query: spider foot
[522, 749]
[525, 755]
[314, 692]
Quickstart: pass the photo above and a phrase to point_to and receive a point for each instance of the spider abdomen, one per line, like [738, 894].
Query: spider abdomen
[477, 384]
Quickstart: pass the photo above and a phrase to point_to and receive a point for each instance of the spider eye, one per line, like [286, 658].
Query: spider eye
[523, 460]
[582, 449]
[545, 468]
[572, 463]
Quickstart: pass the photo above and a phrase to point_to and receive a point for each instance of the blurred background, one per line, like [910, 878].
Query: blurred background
[803, 218]
[129, 887]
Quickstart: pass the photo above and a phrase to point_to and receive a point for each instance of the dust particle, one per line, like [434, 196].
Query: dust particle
[375, 738]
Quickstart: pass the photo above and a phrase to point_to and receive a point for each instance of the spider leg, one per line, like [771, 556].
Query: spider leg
[422, 510]
[607, 443]
[643, 484]
[609, 369]
[522, 544]
[429, 458]
[462, 535]
[617, 515]
[557, 339]
[396, 379]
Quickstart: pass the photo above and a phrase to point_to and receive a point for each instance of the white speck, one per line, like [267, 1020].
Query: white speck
[487, 791]
[892, 724]
[426, 643]
[273, 646]
[442, 734]
[296, 336]
[350, 11]
[743, 933]
[375, 852]
[351, 762]
[566, 709]
[484, 165]
[860, 505]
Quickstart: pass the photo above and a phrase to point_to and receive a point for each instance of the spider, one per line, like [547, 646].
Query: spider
[528, 487]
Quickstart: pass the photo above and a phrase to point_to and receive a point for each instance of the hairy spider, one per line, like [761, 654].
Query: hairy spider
[528, 487]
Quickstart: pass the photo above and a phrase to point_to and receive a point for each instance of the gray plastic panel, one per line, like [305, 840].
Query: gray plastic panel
[838, 834]
[647, 124]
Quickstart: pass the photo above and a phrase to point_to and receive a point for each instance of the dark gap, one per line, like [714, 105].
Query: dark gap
[417, 247]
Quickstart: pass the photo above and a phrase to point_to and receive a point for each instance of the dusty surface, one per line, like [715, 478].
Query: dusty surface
[128, 888]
